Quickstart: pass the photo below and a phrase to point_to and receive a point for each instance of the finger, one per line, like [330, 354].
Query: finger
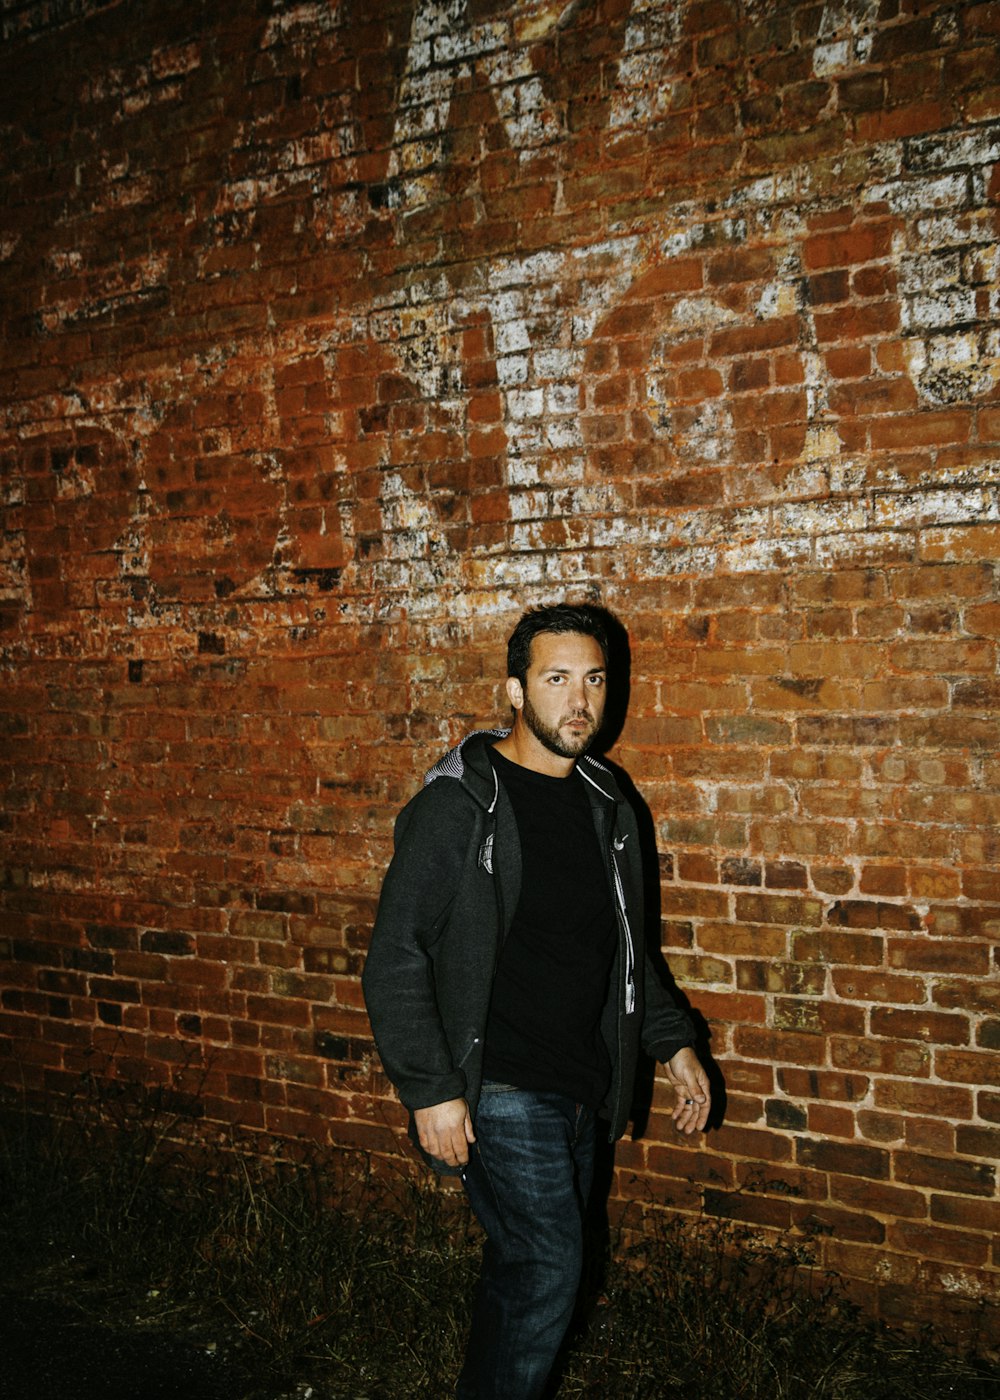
[693, 1122]
[691, 1111]
[437, 1144]
[434, 1146]
[701, 1115]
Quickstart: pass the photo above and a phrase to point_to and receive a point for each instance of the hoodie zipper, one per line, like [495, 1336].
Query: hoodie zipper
[619, 845]
[629, 945]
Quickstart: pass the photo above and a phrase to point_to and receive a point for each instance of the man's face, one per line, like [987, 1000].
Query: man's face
[562, 701]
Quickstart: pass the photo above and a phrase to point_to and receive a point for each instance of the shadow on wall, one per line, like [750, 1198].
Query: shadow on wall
[619, 688]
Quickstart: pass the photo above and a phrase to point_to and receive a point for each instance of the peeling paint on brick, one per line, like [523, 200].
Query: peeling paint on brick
[846, 35]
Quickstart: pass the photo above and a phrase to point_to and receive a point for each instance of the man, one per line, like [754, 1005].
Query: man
[507, 991]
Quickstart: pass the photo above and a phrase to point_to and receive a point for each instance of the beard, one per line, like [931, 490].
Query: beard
[550, 737]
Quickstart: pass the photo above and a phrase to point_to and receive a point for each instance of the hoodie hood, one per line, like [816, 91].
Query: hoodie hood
[454, 764]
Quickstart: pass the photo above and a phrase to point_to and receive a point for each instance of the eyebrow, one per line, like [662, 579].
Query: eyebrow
[567, 670]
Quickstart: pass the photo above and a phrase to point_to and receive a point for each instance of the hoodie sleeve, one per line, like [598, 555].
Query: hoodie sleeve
[666, 1028]
[432, 835]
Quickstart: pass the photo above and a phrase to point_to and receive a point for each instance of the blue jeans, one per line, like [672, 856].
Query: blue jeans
[528, 1179]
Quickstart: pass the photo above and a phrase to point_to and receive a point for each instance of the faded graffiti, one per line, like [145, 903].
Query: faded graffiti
[948, 262]
[846, 35]
[945, 325]
[445, 49]
[650, 66]
[262, 509]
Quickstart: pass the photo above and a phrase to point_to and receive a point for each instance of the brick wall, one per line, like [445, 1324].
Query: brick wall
[333, 335]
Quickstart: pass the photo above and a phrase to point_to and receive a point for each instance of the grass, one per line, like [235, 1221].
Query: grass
[323, 1272]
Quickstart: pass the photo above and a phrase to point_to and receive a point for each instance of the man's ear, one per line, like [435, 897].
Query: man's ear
[515, 692]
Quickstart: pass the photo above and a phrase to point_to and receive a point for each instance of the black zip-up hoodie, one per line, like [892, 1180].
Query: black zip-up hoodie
[446, 905]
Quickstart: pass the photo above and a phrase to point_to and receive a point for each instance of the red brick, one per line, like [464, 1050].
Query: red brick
[881, 1127]
[824, 1120]
[743, 1109]
[929, 1242]
[911, 120]
[747, 1208]
[848, 247]
[819, 1017]
[845, 1159]
[822, 1084]
[857, 324]
[909, 1097]
[771, 976]
[879, 987]
[877, 1197]
[945, 1174]
[835, 947]
[749, 1076]
[731, 1007]
[881, 1057]
[934, 1027]
[779, 1047]
[970, 1213]
[938, 956]
[247, 620]
[964, 994]
[922, 429]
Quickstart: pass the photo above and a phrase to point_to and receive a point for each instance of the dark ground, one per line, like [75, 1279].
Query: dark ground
[52, 1351]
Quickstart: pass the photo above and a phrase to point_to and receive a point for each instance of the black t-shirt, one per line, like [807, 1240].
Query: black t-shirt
[551, 983]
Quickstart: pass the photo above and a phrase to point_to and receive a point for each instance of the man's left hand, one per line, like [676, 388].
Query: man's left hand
[694, 1097]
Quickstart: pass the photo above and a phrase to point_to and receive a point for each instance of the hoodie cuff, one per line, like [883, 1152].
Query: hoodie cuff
[665, 1050]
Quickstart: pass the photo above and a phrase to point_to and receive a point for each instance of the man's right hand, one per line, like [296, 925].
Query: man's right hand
[445, 1131]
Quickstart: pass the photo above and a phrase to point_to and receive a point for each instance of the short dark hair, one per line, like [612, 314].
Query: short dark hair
[555, 617]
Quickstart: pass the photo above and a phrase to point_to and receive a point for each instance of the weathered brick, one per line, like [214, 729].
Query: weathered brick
[731, 1007]
[978, 1142]
[779, 1046]
[778, 909]
[846, 1159]
[817, 1016]
[936, 1028]
[801, 1083]
[848, 247]
[905, 1096]
[940, 956]
[881, 1057]
[929, 1242]
[288, 587]
[773, 976]
[825, 1220]
[881, 1127]
[878, 987]
[750, 1209]
[970, 1214]
[945, 1174]
[837, 947]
